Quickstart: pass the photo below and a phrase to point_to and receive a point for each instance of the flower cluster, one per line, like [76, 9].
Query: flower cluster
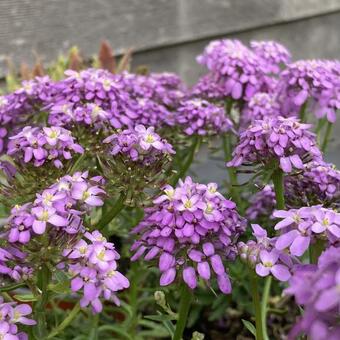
[263, 255]
[56, 212]
[274, 54]
[299, 228]
[316, 288]
[191, 228]
[317, 80]
[139, 144]
[38, 146]
[261, 204]
[17, 107]
[93, 266]
[198, 116]
[111, 103]
[318, 183]
[164, 88]
[239, 71]
[276, 139]
[208, 88]
[11, 314]
[259, 107]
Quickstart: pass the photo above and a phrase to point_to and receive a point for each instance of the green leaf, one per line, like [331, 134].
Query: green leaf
[63, 287]
[116, 329]
[161, 317]
[25, 297]
[251, 328]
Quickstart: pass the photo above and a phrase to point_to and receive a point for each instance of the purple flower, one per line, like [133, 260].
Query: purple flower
[262, 204]
[12, 313]
[283, 140]
[198, 116]
[300, 227]
[311, 81]
[269, 265]
[38, 146]
[263, 255]
[237, 70]
[93, 264]
[191, 229]
[140, 145]
[316, 288]
[274, 54]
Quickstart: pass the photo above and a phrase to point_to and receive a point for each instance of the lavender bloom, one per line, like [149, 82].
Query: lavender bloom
[198, 116]
[139, 144]
[93, 265]
[301, 227]
[316, 288]
[17, 107]
[283, 140]
[12, 313]
[237, 69]
[262, 204]
[274, 54]
[193, 229]
[314, 80]
[56, 211]
[38, 146]
[208, 88]
[318, 183]
[264, 257]
[166, 89]
[261, 106]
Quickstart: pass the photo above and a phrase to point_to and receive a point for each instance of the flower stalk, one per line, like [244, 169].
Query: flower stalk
[184, 307]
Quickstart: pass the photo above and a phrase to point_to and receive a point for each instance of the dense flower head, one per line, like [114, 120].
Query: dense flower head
[198, 116]
[40, 145]
[17, 107]
[316, 289]
[237, 69]
[259, 107]
[299, 228]
[208, 88]
[318, 183]
[283, 140]
[11, 314]
[164, 88]
[111, 103]
[274, 54]
[56, 212]
[92, 262]
[264, 257]
[191, 228]
[314, 80]
[139, 144]
[262, 204]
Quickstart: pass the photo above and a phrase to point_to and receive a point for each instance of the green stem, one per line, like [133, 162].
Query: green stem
[133, 296]
[186, 165]
[227, 147]
[94, 328]
[302, 113]
[12, 287]
[43, 279]
[277, 178]
[264, 307]
[112, 213]
[315, 251]
[74, 312]
[257, 305]
[327, 136]
[184, 307]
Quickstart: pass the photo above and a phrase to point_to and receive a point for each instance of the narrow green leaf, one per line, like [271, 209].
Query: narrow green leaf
[251, 328]
[25, 297]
